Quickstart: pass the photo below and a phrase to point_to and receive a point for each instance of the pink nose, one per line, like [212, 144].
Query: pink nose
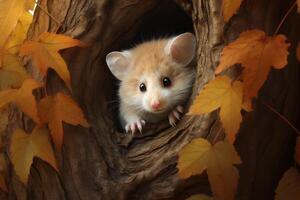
[155, 105]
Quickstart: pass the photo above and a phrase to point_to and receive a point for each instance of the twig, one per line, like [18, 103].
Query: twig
[51, 16]
[280, 116]
[284, 18]
[214, 141]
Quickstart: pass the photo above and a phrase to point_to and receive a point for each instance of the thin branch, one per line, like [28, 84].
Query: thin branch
[283, 118]
[215, 139]
[284, 18]
[51, 16]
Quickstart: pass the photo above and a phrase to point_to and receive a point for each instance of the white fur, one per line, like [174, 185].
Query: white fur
[118, 63]
[135, 106]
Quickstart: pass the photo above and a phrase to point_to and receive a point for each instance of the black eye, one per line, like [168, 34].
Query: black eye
[143, 87]
[166, 82]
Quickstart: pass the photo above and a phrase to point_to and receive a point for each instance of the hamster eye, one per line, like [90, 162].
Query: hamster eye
[166, 82]
[143, 87]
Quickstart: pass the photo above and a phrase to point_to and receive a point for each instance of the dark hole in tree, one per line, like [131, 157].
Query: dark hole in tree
[166, 20]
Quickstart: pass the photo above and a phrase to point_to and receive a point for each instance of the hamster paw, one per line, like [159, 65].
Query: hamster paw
[134, 126]
[175, 115]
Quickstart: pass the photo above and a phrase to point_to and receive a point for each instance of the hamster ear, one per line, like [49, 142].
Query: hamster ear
[118, 63]
[182, 48]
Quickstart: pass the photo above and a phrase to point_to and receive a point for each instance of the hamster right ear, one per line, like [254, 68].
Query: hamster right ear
[182, 48]
[118, 63]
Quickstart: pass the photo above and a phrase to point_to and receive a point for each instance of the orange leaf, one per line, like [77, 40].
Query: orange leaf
[230, 7]
[10, 11]
[44, 52]
[257, 53]
[218, 160]
[23, 98]
[297, 150]
[222, 93]
[24, 147]
[289, 186]
[298, 3]
[58, 109]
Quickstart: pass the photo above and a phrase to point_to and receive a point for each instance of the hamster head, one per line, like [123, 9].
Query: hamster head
[155, 75]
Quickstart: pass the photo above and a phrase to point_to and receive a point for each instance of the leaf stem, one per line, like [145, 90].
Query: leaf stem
[215, 139]
[283, 118]
[284, 18]
[51, 16]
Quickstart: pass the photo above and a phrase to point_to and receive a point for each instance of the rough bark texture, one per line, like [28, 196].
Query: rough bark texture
[103, 163]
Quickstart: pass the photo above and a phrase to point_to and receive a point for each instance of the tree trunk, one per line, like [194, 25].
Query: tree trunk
[104, 163]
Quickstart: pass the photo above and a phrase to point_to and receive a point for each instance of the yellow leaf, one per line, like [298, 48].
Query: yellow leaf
[24, 147]
[58, 109]
[10, 11]
[289, 186]
[44, 52]
[230, 7]
[12, 72]
[297, 151]
[200, 197]
[23, 98]
[29, 5]
[257, 53]
[218, 160]
[19, 34]
[221, 93]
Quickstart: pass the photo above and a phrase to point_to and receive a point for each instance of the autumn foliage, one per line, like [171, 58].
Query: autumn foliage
[254, 52]
[18, 88]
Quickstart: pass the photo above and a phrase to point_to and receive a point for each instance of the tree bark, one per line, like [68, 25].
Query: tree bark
[104, 163]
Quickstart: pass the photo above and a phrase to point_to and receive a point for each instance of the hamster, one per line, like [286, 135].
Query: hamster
[156, 80]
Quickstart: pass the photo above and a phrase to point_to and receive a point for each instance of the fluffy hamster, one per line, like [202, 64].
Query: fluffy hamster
[156, 80]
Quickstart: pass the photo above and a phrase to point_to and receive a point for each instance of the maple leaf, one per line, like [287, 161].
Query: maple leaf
[19, 34]
[24, 147]
[226, 95]
[12, 72]
[230, 7]
[44, 52]
[289, 186]
[297, 151]
[10, 11]
[257, 53]
[58, 109]
[200, 197]
[23, 98]
[217, 160]
[29, 4]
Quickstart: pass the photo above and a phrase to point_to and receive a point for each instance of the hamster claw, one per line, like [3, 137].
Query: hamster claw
[175, 115]
[137, 125]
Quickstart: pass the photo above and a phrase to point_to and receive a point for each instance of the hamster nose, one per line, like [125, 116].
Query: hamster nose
[155, 105]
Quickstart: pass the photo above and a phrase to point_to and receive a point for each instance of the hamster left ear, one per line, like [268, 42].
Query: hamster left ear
[118, 63]
[181, 48]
